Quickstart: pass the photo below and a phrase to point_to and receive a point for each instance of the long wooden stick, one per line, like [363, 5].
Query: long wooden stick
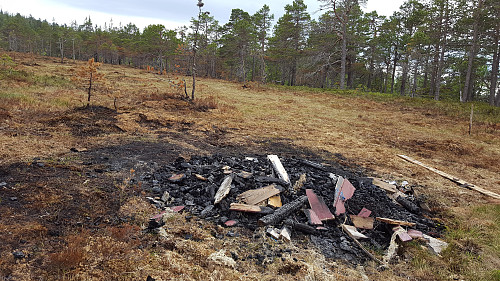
[452, 178]
[360, 245]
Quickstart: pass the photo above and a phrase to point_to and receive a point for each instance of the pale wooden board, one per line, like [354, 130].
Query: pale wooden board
[275, 201]
[278, 167]
[452, 178]
[396, 222]
[256, 196]
[244, 208]
[224, 189]
[385, 186]
[362, 222]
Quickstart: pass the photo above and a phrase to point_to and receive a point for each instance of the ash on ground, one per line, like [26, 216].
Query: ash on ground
[193, 183]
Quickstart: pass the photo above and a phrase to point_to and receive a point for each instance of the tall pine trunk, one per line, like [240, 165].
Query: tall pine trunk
[494, 67]
[440, 65]
[344, 56]
[467, 93]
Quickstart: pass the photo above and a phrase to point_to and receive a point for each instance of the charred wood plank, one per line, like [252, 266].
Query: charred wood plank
[410, 206]
[313, 164]
[304, 228]
[281, 213]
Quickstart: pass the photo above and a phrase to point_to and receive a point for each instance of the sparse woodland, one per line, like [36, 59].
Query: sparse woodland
[440, 49]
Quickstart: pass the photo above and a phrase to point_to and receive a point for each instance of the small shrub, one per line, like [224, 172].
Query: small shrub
[70, 257]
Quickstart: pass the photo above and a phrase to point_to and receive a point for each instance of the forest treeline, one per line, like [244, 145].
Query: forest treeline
[441, 49]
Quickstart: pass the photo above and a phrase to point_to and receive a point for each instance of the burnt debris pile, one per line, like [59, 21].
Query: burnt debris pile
[341, 211]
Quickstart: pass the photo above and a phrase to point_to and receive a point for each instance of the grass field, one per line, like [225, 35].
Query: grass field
[42, 116]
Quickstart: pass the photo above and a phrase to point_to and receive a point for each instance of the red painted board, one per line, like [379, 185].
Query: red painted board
[313, 217]
[177, 208]
[318, 206]
[404, 236]
[364, 213]
[346, 191]
[230, 223]
[415, 234]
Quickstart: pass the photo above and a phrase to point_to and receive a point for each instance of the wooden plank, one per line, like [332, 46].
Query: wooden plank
[391, 188]
[452, 178]
[256, 196]
[318, 206]
[278, 167]
[249, 208]
[396, 222]
[362, 222]
[312, 217]
[275, 201]
[224, 189]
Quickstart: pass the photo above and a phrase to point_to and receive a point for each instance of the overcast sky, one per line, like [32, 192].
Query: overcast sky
[170, 13]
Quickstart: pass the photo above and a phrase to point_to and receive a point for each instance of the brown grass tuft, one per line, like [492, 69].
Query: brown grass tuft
[205, 104]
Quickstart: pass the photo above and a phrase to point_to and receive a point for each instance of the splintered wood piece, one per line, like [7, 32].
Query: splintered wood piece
[283, 212]
[224, 189]
[249, 208]
[300, 182]
[364, 213]
[278, 167]
[362, 222]
[256, 196]
[391, 188]
[452, 178]
[245, 175]
[200, 177]
[273, 232]
[396, 222]
[353, 232]
[177, 177]
[312, 217]
[318, 206]
[275, 201]
[286, 233]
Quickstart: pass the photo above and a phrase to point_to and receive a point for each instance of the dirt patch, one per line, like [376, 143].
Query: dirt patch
[88, 121]
[428, 147]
